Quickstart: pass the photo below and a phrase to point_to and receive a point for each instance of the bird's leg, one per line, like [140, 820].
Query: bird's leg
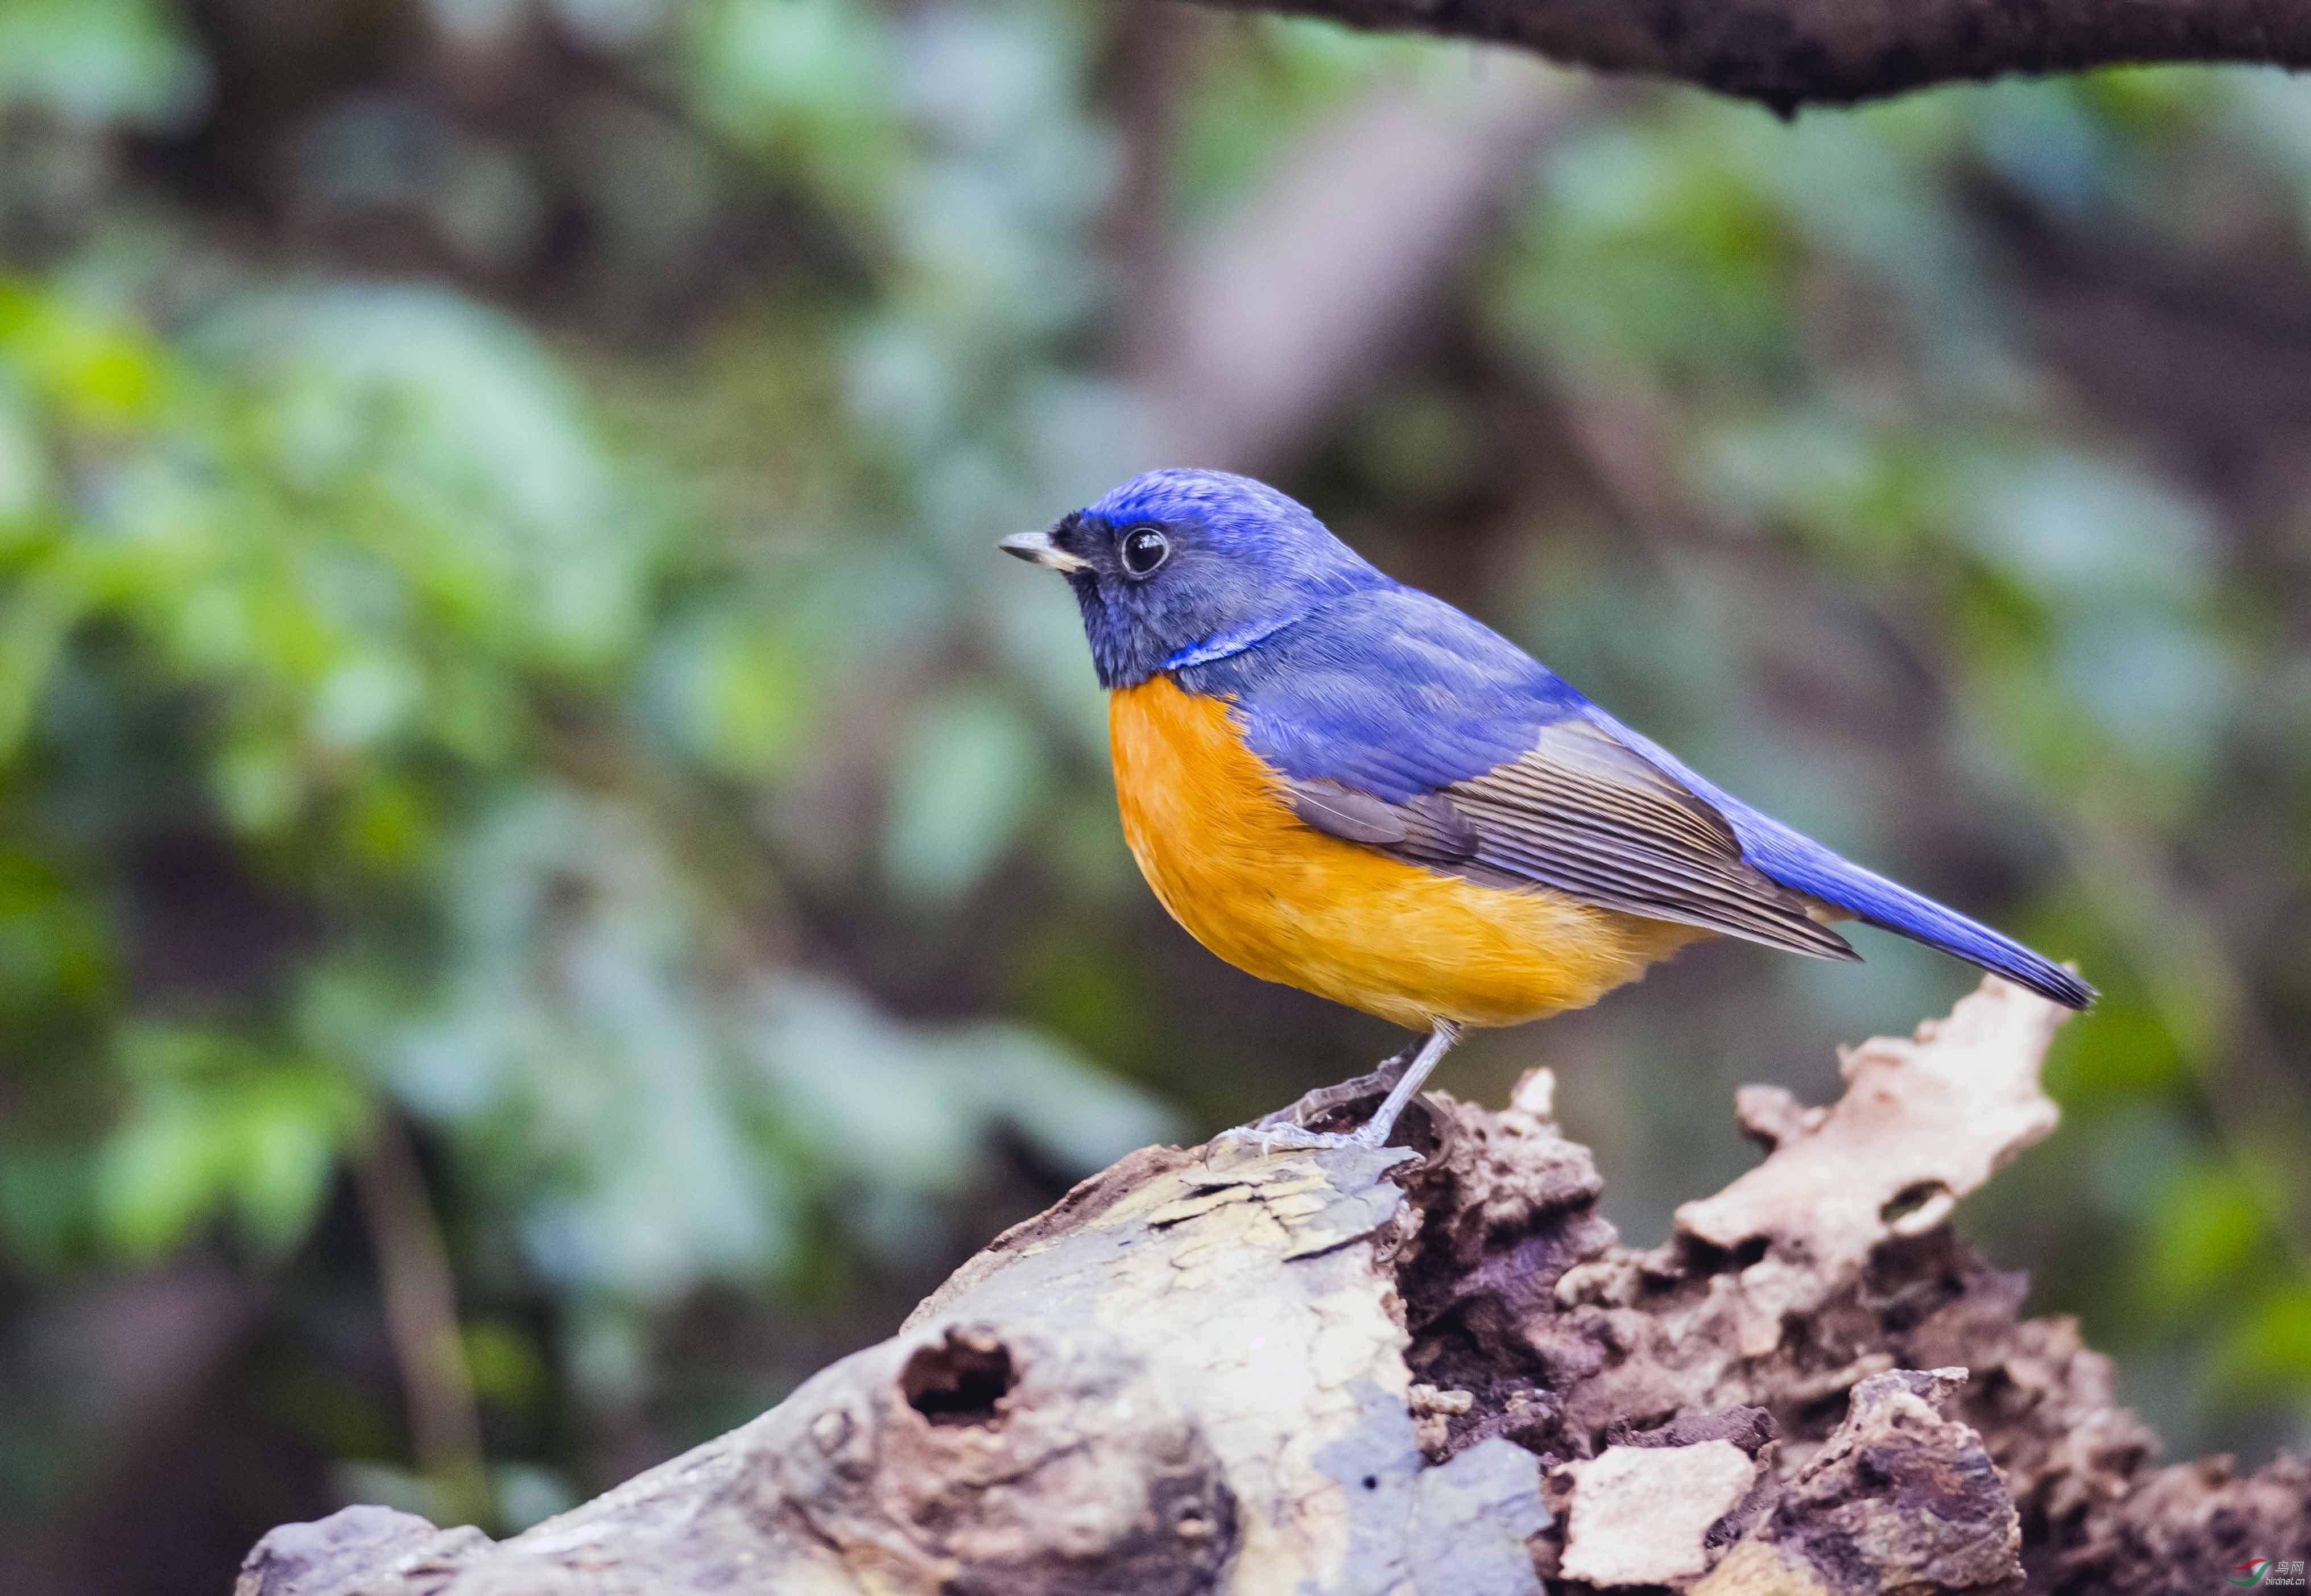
[1375, 1131]
[1409, 1068]
[1313, 1106]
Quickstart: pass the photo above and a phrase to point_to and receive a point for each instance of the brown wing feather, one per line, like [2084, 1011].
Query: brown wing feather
[1583, 813]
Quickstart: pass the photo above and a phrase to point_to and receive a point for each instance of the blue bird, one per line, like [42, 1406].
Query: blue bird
[1340, 782]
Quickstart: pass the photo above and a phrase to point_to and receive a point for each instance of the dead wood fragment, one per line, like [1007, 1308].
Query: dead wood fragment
[1899, 1500]
[1433, 1371]
[1641, 1515]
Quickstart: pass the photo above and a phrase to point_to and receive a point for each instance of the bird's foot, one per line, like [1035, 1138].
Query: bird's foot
[1395, 1082]
[1372, 1088]
[1267, 1139]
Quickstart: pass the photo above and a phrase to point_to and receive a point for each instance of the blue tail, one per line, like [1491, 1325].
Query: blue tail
[1798, 861]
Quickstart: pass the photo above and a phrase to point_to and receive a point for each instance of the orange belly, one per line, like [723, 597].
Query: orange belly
[1217, 839]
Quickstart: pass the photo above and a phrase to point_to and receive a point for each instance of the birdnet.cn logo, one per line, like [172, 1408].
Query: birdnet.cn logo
[2268, 1572]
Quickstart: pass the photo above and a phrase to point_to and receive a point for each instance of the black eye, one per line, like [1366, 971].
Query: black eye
[1144, 548]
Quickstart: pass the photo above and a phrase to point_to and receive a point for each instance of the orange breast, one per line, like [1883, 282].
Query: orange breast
[1217, 839]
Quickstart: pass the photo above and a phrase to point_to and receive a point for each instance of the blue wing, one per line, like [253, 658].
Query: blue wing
[1401, 723]
[1796, 860]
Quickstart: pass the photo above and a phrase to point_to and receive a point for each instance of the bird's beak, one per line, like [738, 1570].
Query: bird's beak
[1039, 548]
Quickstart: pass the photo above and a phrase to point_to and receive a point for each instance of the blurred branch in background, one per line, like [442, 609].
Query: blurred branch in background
[421, 1312]
[1791, 53]
[1263, 331]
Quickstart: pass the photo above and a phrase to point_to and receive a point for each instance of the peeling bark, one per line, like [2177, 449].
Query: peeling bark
[1791, 53]
[1433, 1371]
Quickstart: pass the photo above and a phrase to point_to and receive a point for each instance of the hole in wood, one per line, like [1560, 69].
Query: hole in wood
[961, 1380]
[1909, 1199]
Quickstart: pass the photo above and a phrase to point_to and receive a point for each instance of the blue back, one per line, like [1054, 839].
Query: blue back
[1395, 693]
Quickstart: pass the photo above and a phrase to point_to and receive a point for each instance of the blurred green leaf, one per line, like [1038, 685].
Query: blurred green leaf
[737, 691]
[907, 1111]
[808, 83]
[968, 775]
[2268, 1348]
[98, 61]
[218, 1125]
[2207, 1229]
[505, 1364]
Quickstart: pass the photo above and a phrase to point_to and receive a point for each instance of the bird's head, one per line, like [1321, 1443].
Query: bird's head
[1175, 567]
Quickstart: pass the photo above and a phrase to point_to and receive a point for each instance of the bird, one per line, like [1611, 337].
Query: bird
[1340, 782]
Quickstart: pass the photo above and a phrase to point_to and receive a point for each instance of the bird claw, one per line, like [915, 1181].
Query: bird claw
[1270, 1140]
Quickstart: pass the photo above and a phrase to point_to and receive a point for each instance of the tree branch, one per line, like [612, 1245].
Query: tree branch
[1789, 53]
[1433, 1371]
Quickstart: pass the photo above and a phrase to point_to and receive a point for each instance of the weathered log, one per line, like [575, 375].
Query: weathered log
[1431, 1371]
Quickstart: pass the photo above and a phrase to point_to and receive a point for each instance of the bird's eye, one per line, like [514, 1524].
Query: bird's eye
[1144, 548]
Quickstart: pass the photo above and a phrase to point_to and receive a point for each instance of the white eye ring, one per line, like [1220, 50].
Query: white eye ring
[1142, 549]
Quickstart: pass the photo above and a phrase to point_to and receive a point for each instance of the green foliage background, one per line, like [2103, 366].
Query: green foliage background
[515, 747]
